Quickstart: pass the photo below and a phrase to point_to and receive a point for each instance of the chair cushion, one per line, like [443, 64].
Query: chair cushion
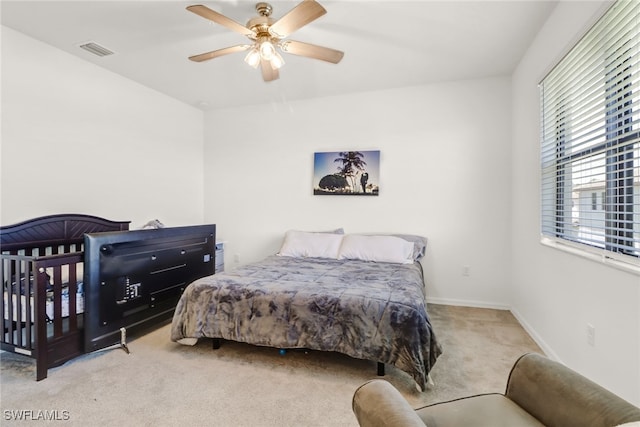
[486, 410]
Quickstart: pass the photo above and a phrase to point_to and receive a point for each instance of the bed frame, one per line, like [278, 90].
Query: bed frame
[35, 256]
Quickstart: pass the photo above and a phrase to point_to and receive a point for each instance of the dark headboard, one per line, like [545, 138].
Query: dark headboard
[55, 230]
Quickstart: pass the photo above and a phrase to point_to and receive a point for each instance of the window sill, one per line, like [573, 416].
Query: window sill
[620, 262]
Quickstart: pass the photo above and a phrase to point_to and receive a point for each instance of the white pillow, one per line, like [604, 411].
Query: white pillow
[376, 248]
[419, 244]
[302, 244]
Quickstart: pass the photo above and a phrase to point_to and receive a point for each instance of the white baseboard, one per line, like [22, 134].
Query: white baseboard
[536, 337]
[467, 303]
[525, 325]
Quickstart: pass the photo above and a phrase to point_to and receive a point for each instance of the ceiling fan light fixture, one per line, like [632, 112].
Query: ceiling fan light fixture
[253, 58]
[267, 50]
[276, 61]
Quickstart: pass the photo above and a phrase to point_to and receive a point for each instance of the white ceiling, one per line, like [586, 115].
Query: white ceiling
[387, 44]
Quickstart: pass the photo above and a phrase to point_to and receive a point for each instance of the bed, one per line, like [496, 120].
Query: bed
[42, 273]
[360, 295]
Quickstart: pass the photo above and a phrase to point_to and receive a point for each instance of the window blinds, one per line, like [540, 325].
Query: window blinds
[590, 137]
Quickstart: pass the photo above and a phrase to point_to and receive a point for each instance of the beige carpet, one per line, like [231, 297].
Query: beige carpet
[165, 384]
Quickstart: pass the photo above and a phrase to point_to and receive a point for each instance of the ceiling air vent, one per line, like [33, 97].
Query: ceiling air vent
[96, 49]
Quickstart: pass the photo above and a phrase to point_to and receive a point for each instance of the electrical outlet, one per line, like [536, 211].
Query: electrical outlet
[466, 270]
[591, 334]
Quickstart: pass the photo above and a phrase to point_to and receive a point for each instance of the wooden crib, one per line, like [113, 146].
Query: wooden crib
[42, 275]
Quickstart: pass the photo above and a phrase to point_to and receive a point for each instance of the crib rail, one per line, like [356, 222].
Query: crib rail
[29, 284]
[19, 299]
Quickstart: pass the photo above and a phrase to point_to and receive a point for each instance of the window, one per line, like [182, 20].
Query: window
[590, 139]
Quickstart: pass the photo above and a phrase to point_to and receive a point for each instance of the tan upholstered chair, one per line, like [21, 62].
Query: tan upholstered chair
[540, 392]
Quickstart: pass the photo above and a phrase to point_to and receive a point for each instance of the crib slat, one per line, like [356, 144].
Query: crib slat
[57, 301]
[7, 315]
[3, 275]
[28, 310]
[73, 303]
[40, 339]
[18, 297]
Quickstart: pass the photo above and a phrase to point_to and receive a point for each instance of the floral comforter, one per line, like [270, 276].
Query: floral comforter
[367, 310]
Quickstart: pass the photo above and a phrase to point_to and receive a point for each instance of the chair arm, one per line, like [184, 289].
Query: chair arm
[377, 403]
[559, 396]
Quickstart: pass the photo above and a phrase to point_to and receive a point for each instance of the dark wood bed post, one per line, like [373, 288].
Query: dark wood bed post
[40, 330]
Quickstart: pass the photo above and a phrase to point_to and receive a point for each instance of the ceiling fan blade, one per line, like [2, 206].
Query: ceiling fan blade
[219, 52]
[219, 18]
[268, 72]
[312, 51]
[296, 18]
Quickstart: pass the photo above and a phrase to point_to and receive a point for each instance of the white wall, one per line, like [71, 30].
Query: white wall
[556, 294]
[444, 174]
[79, 139]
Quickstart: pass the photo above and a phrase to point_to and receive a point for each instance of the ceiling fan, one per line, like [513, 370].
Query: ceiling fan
[266, 34]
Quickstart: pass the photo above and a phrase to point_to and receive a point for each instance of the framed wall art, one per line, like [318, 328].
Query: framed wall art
[346, 173]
